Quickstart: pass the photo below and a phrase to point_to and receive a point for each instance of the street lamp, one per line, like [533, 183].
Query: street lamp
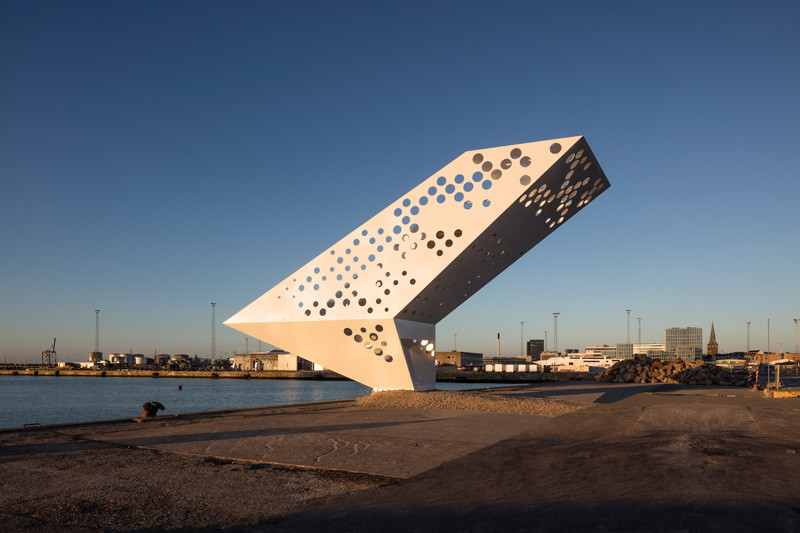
[555, 332]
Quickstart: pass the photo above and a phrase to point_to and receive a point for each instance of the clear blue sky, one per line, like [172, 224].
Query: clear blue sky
[157, 156]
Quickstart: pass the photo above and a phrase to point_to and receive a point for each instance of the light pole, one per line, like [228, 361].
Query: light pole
[555, 332]
[213, 332]
[96, 330]
[640, 329]
[522, 338]
[748, 337]
[629, 325]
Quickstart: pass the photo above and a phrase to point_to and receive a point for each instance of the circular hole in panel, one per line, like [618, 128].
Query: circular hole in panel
[378, 328]
[486, 166]
[522, 198]
[414, 210]
[458, 196]
[459, 178]
[396, 230]
[486, 203]
[331, 303]
[587, 165]
[440, 198]
[322, 312]
[496, 174]
[368, 345]
[301, 287]
[378, 283]
[569, 174]
[524, 180]
[560, 220]
[371, 257]
[308, 278]
[505, 164]
[439, 252]
[413, 246]
[467, 205]
[373, 336]
[357, 338]
[378, 351]
[412, 281]
[423, 200]
[362, 302]
[431, 191]
[397, 247]
[316, 271]
[339, 277]
[580, 153]
[431, 245]
[477, 158]
[468, 186]
[450, 188]
[348, 331]
[372, 240]
[363, 330]
[308, 312]
[570, 158]
[406, 202]
[439, 234]
[316, 304]
[413, 228]
[539, 212]
[477, 177]
[528, 203]
[486, 185]
[405, 237]
[364, 233]
[405, 220]
[345, 302]
[441, 181]
[458, 233]
[398, 212]
[387, 358]
[564, 184]
[555, 148]
[515, 153]
[338, 294]
[298, 305]
[448, 243]
[525, 161]
[380, 248]
[369, 309]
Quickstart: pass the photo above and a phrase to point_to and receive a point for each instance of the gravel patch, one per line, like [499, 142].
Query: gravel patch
[469, 401]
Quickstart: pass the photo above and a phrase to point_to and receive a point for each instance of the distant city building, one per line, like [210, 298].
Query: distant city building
[568, 351]
[95, 357]
[459, 359]
[684, 343]
[649, 349]
[602, 350]
[624, 350]
[713, 347]
[274, 360]
[535, 349]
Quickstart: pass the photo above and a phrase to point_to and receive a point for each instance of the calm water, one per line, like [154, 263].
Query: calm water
[57, 400]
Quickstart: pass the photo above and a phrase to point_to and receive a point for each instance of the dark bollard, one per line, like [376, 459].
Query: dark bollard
[150, 409]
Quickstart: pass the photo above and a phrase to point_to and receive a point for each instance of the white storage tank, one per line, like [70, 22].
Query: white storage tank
[138, 360]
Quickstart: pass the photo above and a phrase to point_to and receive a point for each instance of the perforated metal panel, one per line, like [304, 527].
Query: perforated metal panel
[367, 307]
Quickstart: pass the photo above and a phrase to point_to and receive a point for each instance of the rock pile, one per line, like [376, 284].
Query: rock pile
[642, 369]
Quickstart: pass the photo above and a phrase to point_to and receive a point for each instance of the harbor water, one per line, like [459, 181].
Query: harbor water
[56, 400]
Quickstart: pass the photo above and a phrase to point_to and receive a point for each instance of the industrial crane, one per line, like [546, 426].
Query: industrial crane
[50, 354]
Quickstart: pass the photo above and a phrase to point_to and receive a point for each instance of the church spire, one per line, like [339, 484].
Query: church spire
[713, 338]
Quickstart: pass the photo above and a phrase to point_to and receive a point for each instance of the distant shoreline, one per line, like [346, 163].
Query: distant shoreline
[454, 376]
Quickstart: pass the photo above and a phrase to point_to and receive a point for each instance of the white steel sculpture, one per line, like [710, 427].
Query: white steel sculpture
[367, 307]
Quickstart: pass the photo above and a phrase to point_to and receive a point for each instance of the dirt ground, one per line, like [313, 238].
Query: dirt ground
[663, 458]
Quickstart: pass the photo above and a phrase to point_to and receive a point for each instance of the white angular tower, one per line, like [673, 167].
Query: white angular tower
[367, 306]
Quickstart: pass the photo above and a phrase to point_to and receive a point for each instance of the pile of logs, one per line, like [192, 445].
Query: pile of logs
[642, 369]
